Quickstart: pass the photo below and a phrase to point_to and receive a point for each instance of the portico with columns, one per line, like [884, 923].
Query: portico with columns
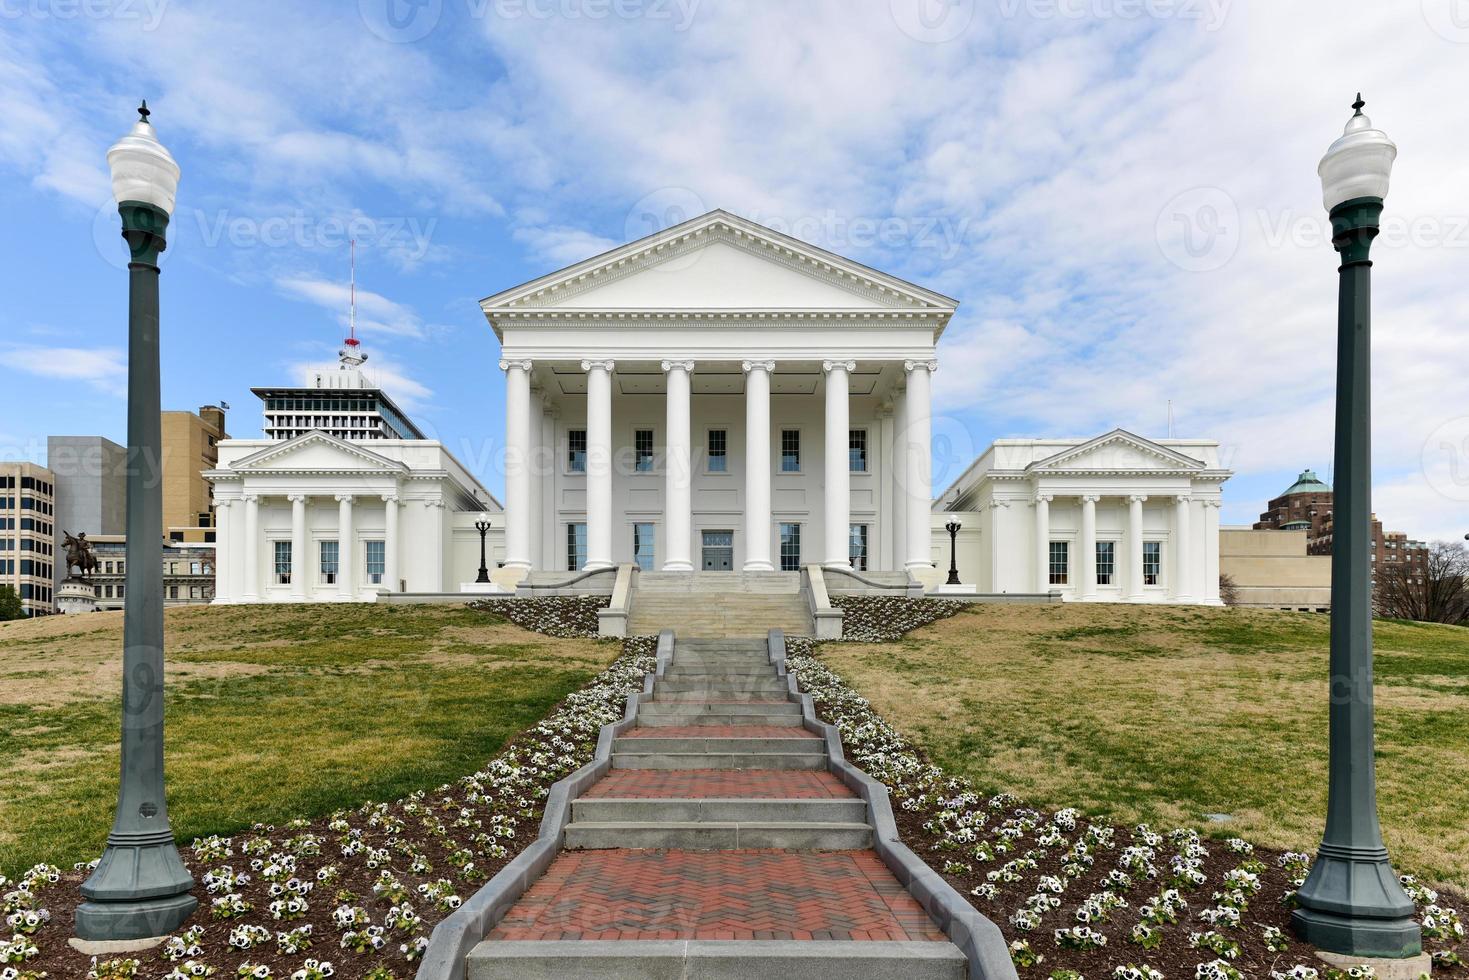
[716, 397]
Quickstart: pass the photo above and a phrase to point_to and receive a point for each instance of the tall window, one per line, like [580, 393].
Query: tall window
[718, 451]
[642, 546]
[1152, 562]
[857, 450]
[1106, 562]
[857, 546]
[576, 450]
[643, 450]
[282, 563]
[1060, 562]
[790, 547]
[790, 450]
[376, 552]
[328, 563]
[576, 546]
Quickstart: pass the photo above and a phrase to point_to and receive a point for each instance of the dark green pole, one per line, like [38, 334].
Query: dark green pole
[1352, 902]
[140, 888]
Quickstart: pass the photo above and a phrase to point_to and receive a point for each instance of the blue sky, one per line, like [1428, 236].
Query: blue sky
[1122, 193]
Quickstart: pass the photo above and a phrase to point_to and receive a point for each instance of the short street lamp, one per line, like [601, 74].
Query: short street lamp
[140, 889]
[1352, 903]
[953, 528]
[483, 527]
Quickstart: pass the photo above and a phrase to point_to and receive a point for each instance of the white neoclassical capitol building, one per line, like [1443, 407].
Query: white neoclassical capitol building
[714, 397]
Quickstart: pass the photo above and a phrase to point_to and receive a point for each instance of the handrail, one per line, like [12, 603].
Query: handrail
[581, 577]
[852, 573]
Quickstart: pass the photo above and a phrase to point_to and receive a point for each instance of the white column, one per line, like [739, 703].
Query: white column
[517, 463]
[390, 541]
[757, 465]
[1182, 549]
[535, 470]
[919, 455]
[299, 564]
[838, 503]
[899, 479]
[346, 560]
[251, 592]
[1087, 566]
[1043, 542]
[678, 491]
[599, 463]
[1211, 551]
[224, 552]
[1135, 546]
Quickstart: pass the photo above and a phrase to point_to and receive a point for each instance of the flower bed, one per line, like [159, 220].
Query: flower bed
[352, 895]
[884, 619]
[1077, 897]
[568, 616]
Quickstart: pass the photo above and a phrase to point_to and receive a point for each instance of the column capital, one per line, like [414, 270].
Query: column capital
[390, 498]
[343, 498]
[677, 366]
[1090, 498]
[997, 504]
[432, 503]
[297, 498]
[1212, 503]
[223, 504]
[507, 363]
[930, 366]
[251, 498]
[766, 366]
[830, 366]
[604, 365]
[1181, 498]
[1043, 498]
[1137, 498]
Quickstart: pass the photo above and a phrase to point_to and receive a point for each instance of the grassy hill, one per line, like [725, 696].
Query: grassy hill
[274, 712]
[1172, 714]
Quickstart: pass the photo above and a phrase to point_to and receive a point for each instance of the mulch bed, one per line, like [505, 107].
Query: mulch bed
[566, 616]
[885, 619]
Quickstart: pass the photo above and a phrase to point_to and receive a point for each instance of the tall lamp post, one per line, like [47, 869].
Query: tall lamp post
[140, 889]
[1351, 903]
[483, 527]
[953, 528]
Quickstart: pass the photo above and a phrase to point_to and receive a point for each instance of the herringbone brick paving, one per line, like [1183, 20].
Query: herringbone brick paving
[692, 784]
[631, 895]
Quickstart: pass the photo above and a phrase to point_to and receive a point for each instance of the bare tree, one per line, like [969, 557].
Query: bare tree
[1439, 593]
[1228, 590]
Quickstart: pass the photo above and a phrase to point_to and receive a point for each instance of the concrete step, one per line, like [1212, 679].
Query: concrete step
[719, 687]
[720, 583]
[682, 744]
[720, 760]
[709, 719]
[728, 697]
[714, 959]
[718, 835]
[718, 810]
[751, 643]
[647, 711]
[718, 669]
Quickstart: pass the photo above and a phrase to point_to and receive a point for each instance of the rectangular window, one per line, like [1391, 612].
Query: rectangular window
[193, 592]
[642, 546]
[576, 450]
[283, 563]
[1060, 562]
[790, 547]
[328, 563]
[790, 450]
[718, 451]
[576, 546]
[643, 450]
[173, 591]
[1106, 562]
[1152, 562]
[376, 561]
[195, 568]
[857, 450]
[121, 590]
[857, 547]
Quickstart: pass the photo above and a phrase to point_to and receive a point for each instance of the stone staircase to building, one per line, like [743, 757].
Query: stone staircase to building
[714, 605]
[718, 846]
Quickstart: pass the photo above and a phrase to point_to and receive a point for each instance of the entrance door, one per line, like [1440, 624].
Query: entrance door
[718, 551]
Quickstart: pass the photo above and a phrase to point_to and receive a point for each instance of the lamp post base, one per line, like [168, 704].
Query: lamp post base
[1352, 904]
[121, 922]
[139, 890]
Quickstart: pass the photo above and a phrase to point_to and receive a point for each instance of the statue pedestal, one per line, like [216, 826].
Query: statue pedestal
[75, 596]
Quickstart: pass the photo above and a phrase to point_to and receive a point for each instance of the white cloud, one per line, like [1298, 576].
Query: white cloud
[105, 368]
[375, 312]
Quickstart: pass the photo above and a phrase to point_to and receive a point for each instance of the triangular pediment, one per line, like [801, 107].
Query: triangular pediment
[316, 451]
[715, 262]
[1118, 450]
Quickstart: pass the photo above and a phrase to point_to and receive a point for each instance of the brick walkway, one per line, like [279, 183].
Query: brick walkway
[842, 895]
[691, 784]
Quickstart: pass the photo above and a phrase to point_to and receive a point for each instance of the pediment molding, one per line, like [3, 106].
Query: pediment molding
[1169, 460]
[260, 462]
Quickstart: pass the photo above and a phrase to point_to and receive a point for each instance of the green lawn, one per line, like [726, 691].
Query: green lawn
[273, 713]
[1168, 714]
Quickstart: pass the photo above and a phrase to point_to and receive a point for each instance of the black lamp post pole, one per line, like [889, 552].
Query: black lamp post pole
[1352, 902]
[483, 528]
[953, 528]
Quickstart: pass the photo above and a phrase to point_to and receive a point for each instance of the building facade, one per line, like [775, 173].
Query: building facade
[90, 488]
[1272, 569]
[190, 447]
[28, 535]
[1116, 518]
[717, 396]
[188, 572]
[342, 402]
